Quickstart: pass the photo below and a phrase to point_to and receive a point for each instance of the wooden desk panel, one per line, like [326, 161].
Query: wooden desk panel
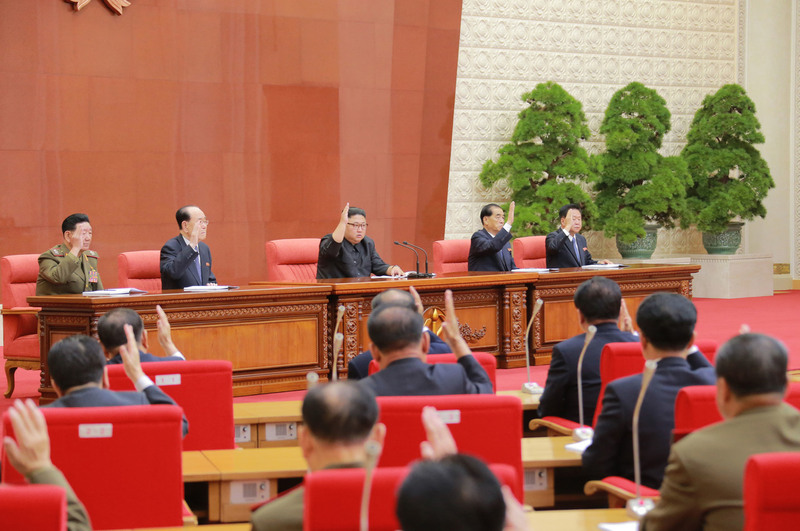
[575, 520]
[540, 457]
[259, 415]
[272, 336]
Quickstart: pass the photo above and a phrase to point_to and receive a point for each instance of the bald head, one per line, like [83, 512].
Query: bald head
[393, 297]
[340, 412]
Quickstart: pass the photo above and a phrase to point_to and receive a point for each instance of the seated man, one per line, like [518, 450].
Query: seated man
[489, 249]
[348, 252]
[339, 418]
[565, 247]
[111, 331]
[30, 455]
[186, 259]
[358, 367]
[400, 347]
[702, 487]
[77, 371]
[70, 267]
[598, 301]
[666, 324]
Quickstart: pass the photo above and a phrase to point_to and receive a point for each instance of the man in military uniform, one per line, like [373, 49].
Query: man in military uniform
[70, 267]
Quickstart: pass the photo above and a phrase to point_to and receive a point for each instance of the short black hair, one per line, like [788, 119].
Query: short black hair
[340, 412]
[110, 327]
[75, 361]
[562, 212]
[355, 211]
[457, 493]
[71, 221]
[753, 364]
[392, 328]
[394, 297]
[486, 211]
[183, 215]
[598, 298]
[667, 320]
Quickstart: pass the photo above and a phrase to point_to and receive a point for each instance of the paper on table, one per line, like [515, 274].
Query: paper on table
[633, 525]
[579, 446]
[602, 266]
[531, 270]
[113, 291]
[209, 288]
[404, 275]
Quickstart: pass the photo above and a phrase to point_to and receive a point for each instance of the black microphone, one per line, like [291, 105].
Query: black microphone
[411, 275]
[426, 274]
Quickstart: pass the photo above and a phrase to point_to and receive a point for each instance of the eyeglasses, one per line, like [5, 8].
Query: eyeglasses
[203, 221]
[358, 226]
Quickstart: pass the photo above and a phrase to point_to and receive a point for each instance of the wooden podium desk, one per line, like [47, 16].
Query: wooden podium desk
[272, 336]
[267, 424]
[576, 519]
[540, 457]
[494, 308]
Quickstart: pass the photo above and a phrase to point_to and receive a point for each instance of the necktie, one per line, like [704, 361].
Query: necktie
[197, 264]
[577, 253]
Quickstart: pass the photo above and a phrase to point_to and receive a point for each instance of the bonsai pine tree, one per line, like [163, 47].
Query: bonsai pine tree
[636, 184]
[730, 177]
[544, 164]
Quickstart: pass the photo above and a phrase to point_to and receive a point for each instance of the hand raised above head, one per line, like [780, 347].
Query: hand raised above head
[510, 219]
[345, 213]
[31, 450]
[452, 334]
[439, 441]
[130, 356]
[417, 300]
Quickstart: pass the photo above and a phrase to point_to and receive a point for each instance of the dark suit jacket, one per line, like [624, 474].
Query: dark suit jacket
[178, 269]
[412, 377]
[702, 488]
[143, 357]
[487, 253]
[611, 451]
[561, 254]
[560, 397]
[345, 260]
[358, 368]
[97, 397]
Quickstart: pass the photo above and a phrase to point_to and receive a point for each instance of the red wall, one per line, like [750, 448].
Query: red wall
[269, 115]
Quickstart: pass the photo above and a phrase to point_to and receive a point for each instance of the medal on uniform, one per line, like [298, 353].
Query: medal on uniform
[93, 276]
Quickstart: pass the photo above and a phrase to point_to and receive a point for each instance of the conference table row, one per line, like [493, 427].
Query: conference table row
[276, 333]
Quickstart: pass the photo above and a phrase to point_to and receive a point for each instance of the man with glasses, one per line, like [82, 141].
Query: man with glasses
[565, 246]
[490, 248]
[185, 259]
[348, 252]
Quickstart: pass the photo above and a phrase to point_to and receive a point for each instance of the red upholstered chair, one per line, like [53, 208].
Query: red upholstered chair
[204, 389]
[338, 492]
[140, 270]
[450, 256]
[487, 361]
[530, 251]
[20, 324]
[33, 507]
[771, 497]
[486, 426]
[293, 259]
[124, 463]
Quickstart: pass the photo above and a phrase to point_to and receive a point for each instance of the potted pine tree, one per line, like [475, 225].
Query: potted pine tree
[638, 189]
[730, 179]
[544, 164]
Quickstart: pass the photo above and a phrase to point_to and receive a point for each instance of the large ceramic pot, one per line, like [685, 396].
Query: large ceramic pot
[642, 248]
[725, 242]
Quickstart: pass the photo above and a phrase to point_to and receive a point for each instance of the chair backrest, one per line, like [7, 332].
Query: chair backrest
[140, 270]
[450, 256]
[530, 251]
[204, 389]
[292, 259]
[338, 492]
[18, 273]
[487, 361]
[33, 507]
[486, 426]
[771, 496]
[618, 360]
[124, 464]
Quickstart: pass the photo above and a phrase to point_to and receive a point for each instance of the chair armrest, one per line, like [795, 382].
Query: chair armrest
[21, 310]
[619, 490]
[555, 425]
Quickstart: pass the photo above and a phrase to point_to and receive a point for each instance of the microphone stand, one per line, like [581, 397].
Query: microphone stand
[582, 432]
[338, 339]
[373, 449]
[426, 274]
[530, 387]
[417, 273]
[638, 506]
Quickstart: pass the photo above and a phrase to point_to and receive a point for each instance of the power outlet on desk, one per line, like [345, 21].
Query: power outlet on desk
[241, 433]
[536, 479]
[252, 491]
[280, 431]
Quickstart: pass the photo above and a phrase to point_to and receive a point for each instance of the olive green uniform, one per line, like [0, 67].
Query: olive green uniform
[62, 272]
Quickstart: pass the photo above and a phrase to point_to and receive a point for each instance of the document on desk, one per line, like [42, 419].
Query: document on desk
[531, 270]
[113, 292]
[578, 447]
[603, 266]
[620, 526]
[209, 288]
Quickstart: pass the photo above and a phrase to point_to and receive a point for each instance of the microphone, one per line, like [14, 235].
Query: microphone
[373, 449]
[312, 379]
[638, 506]
[338, 339]
[411, 275]
[581, 433]
[426, 274]
[530, 387]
